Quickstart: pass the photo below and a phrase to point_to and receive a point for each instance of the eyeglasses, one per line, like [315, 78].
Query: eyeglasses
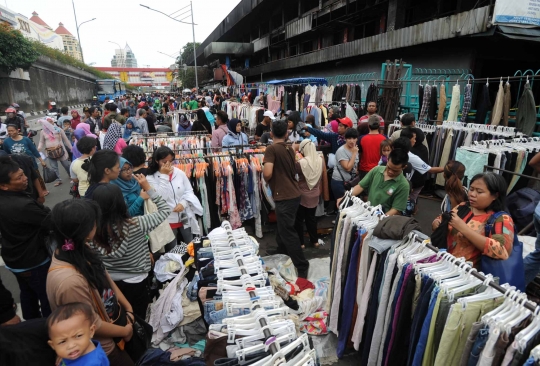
[130, 169]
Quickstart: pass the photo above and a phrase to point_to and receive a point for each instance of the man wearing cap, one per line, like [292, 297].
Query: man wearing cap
[95, 102]
[370, 147]
[363, 128]
[335, 139]
[264, 126]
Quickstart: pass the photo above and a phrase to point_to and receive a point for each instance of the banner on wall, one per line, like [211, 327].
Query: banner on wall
[523, 13]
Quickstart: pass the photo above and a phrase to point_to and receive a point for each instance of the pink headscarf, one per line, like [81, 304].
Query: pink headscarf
[332, 126]
[86, 128]
[49, 129]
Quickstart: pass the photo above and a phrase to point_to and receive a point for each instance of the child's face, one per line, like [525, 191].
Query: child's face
[72, 338]
[67, 125]
[386, 151]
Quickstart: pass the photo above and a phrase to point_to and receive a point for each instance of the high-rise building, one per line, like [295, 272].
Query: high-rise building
[124, 57]
[71, 45]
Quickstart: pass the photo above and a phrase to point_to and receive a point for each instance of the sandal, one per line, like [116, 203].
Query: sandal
[46, 193]
[57, 183]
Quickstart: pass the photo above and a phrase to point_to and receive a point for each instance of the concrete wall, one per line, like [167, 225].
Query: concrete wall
[47, 80]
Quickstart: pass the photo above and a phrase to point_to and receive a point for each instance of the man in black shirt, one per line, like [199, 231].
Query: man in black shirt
[264, 126]
[23, 224]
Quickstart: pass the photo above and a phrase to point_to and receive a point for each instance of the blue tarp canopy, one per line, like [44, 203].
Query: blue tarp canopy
[299, 81]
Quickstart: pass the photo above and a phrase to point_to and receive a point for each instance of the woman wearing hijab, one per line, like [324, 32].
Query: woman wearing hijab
[235, 136]
[309, 169]
[113, 139]
[201, 124]
[184, 125]
[129, 128]
[86, 128]
[131, 189]
[79, 134]
[75, 119]
[54, 142]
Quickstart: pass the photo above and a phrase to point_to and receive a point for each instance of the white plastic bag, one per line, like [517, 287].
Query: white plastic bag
[162, 234]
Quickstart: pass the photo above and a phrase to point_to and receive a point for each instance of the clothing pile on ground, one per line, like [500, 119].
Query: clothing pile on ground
[246, 322]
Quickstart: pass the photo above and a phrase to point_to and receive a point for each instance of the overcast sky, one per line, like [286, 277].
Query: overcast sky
[123, 21]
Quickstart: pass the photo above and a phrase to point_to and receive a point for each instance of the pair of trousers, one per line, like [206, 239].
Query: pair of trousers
[119, 358]
[182, 235]
[34, 300]
[532, 260]
[338, 189]
[457, 327]
[306, 215]
[287, 237]
[54, 165]
[478, 346]
[137, 294]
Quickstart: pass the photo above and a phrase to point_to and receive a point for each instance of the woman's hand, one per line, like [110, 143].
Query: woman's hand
[141, 179]
[166, 168]
[436, 223]
[179, 208]
[457, 223]
[128, 332]
[144, 195]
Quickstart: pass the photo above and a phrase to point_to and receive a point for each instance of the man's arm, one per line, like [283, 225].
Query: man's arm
[436, 170]
[393, 212]
[268, 170]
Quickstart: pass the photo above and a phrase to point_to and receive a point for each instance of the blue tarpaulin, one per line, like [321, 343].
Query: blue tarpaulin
[317, 81]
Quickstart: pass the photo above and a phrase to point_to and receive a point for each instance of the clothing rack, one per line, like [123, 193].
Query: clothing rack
[250, 288]
[472, 271]
[170, 134]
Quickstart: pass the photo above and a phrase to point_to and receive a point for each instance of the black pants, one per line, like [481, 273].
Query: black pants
[287, 237]
[33, 286]
[137, 295]
[119, 358]
[306, 215]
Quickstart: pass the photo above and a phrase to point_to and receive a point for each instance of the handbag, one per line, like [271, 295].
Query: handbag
[511, 270]
[351, 183]
[55, 152]
[141, 339]
[49, 175]
[74, 190]
[162, 234]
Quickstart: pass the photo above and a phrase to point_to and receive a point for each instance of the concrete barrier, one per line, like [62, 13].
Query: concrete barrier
[46, 80]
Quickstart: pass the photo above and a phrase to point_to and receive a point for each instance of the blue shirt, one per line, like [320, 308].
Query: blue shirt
[95, 358]
[24, 146]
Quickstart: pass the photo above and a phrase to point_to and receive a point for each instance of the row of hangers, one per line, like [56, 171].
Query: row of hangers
[266, 326]
[455, 275]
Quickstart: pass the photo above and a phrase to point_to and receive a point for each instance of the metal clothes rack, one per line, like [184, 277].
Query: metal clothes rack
[468, 268]
[250, 288]
[170, 134]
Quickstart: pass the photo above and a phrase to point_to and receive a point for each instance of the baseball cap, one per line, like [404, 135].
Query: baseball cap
[94, 97]
[288, 112]
[269, 114]
[110, 101]
[345, 121]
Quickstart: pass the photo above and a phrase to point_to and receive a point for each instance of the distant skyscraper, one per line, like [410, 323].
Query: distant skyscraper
[124, 58]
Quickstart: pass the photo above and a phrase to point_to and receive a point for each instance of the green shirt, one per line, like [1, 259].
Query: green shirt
[185, 105]
[193, 105]
[392, 193]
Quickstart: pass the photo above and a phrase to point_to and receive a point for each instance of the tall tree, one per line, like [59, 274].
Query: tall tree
[187, 51]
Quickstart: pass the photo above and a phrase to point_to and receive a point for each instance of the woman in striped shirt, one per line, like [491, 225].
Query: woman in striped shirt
[121, 241]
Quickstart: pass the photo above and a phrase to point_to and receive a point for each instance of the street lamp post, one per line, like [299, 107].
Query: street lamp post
[78, 26]
[192, 29]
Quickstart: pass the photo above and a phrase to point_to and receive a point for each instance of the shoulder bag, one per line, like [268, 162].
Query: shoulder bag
[511, 270]
[351, 183]
[55, 152]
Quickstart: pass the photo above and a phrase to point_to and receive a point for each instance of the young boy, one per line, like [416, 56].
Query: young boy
[71, 328]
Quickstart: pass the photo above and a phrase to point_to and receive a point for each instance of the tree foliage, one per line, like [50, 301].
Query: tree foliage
[15, 50]
[187, 77]
[187, 51]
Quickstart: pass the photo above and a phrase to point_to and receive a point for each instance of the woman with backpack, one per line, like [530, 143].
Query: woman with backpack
[467, 234]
